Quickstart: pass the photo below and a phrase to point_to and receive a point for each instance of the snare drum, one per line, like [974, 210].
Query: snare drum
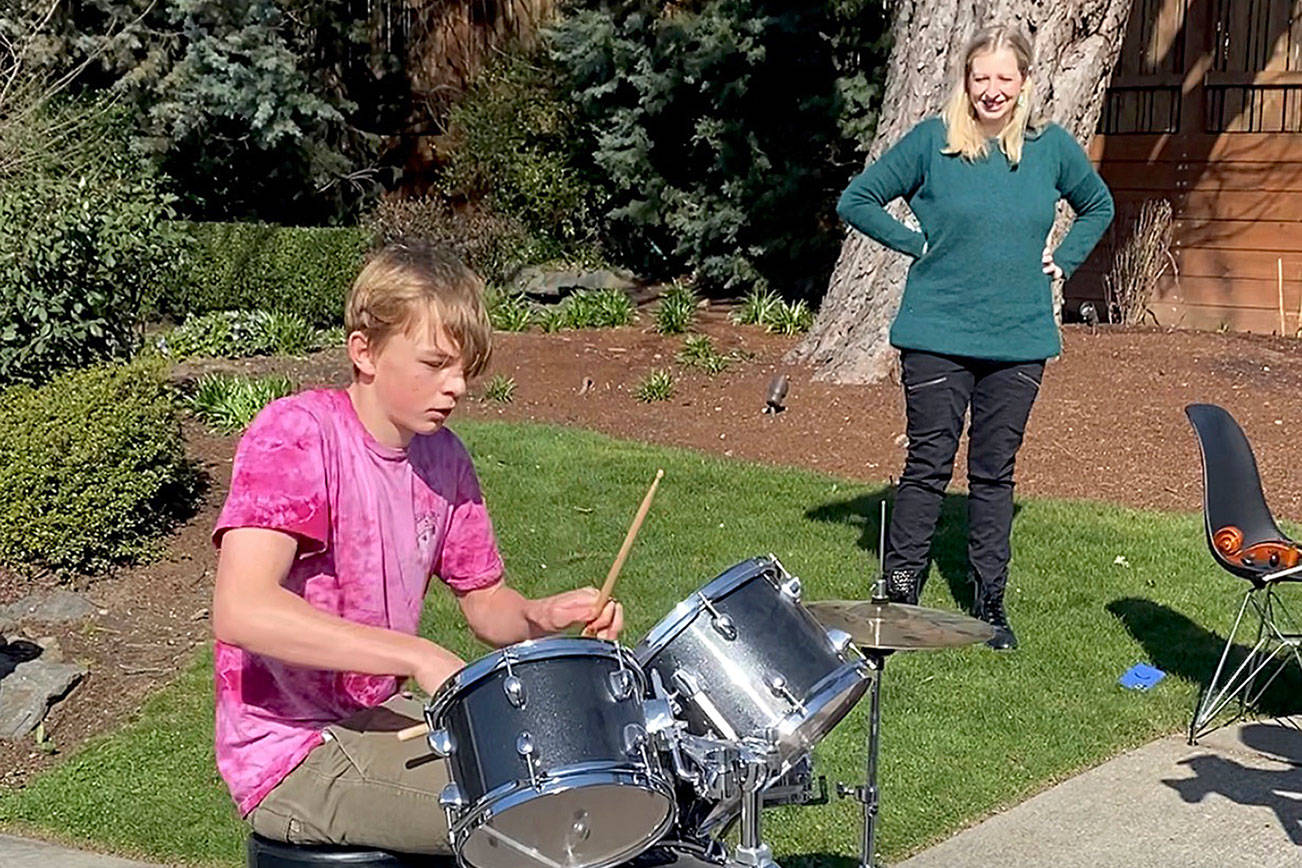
[746, 660]
[547, 746]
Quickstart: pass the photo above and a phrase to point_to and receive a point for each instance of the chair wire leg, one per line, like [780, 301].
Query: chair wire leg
[1286, 646]
[1209, 698]
[1244, 683]
[1263, 614]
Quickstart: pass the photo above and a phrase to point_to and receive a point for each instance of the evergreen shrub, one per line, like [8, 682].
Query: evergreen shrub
[92, 469]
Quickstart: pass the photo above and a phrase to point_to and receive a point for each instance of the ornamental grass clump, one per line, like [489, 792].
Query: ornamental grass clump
[92, 469]
[657, 386]
[698, 352]
[588, 309]
[758, 307]
[227, 403]
[509, 312]
[791, 318]
[677, 310]
[500, 388]
[766, 308]
[599, 308]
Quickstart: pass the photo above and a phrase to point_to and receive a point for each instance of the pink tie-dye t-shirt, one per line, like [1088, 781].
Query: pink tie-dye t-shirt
[373, 524]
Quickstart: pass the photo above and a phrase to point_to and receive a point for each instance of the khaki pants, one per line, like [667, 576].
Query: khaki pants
[362, 787]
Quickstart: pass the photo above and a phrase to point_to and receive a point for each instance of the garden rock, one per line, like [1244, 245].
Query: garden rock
[57, 606]
[28, 691]
[552, 284]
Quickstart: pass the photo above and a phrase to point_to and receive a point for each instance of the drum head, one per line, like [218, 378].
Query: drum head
[582, 827]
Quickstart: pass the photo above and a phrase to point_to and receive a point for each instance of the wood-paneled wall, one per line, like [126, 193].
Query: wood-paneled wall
[1205, 110]
[1237, 206]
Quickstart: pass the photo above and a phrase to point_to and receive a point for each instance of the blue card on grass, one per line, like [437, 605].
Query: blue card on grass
[1141, 676]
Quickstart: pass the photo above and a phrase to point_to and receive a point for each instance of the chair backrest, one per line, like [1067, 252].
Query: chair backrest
[1232, 496]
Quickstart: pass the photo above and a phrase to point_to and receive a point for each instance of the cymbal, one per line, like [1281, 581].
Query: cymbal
[898, 626]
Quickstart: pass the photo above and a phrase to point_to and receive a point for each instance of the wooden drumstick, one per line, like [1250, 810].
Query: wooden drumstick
[416, 730]
[609, 584]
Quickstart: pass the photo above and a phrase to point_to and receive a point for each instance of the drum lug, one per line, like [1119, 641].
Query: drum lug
[634, 739]
[791, 589]
[452, 802]
[451, 798]
[688, 685]
[841, 640]
[524, 746]
[722, 624]
[440, 741]
[621, 684]
[778, 685]
[513, 687]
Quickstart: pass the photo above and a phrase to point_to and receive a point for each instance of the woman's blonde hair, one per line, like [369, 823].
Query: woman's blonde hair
[964, 135]
[411, 283]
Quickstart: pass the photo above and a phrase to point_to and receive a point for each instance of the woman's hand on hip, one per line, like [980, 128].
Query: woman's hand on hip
[1050, 267]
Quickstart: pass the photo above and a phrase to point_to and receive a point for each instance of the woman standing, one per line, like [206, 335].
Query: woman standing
[976, 321]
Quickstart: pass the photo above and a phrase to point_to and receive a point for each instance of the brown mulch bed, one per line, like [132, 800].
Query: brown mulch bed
[1108, 425]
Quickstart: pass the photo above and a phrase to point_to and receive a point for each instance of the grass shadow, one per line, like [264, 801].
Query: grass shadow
[819, 860]
[948, 544]
[1177, 645]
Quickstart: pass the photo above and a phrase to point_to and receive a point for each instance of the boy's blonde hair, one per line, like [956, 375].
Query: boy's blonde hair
[964, 135]
[409, 282]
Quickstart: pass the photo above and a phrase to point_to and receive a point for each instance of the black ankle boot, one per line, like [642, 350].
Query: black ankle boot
[990, 608]
[903, 586]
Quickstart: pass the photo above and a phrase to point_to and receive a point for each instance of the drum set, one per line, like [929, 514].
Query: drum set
[582, 753]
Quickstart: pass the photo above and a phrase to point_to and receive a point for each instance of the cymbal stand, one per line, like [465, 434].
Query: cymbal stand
[868, 795]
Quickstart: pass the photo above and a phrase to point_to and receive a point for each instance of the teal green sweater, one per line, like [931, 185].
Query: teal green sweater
[979, 289]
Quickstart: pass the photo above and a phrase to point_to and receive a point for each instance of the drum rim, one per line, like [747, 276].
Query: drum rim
[560, 781]
[546, 648]
[668, 627]
[836, 683]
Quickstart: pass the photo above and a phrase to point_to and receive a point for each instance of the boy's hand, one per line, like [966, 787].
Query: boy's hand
[575, 607]
[436, 666]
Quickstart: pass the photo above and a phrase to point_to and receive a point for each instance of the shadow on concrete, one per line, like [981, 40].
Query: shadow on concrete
[1267, 788]
[1281, 740]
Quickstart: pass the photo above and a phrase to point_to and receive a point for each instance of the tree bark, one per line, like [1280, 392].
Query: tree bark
[1076, 45]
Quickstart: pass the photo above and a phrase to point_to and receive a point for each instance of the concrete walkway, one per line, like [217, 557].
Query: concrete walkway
[22, 853]
[1233, 800]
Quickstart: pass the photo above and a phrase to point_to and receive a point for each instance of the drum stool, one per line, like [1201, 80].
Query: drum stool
[266, 853]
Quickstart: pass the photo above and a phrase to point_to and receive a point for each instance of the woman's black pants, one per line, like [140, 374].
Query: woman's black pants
[938, 390]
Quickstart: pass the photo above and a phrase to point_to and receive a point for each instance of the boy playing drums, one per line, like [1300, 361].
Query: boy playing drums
[343, 503]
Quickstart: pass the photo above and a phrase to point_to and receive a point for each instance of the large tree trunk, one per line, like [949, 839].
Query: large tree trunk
[1076, 45]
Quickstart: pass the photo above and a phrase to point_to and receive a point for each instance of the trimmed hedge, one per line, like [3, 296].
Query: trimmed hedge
[92, 469]
[258, 266]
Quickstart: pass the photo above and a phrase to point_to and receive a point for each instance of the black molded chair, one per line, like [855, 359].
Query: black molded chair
[266, 853]
[1245, 540]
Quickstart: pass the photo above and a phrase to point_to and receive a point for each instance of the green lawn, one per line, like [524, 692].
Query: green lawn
[965, 732]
